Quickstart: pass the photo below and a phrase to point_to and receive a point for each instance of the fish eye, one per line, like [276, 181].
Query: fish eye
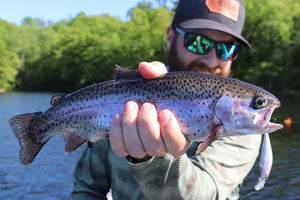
[258, 102]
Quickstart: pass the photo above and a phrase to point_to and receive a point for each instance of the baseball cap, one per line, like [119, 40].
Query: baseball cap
[222, 15]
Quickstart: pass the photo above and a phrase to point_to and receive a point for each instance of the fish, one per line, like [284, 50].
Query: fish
[207, 107]
[265, 163]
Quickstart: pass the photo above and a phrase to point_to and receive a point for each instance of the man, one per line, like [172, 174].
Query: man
[160, 163]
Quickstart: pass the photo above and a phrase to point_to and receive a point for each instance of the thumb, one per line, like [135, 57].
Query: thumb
[153, 69]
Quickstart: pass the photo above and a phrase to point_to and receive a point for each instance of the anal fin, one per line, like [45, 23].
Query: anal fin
[212, 137]
[73, 141]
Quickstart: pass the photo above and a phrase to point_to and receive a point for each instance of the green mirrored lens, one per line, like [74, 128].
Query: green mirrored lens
[227, 51]
[201, 45]
[198, 44]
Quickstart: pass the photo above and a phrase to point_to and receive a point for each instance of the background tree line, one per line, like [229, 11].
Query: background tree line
[70, 54]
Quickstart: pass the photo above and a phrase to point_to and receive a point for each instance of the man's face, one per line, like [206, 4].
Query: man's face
[180, 59]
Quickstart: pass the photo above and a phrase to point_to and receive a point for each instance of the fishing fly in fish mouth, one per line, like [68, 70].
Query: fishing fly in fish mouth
[265, 164]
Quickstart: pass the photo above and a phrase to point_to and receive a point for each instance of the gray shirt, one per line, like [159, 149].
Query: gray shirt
[216, 173]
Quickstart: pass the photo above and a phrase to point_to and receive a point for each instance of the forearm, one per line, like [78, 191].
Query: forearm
[213, 174]
[170, 178]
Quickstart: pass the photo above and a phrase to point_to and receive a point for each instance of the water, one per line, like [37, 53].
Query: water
[50, 175]
[284, 180]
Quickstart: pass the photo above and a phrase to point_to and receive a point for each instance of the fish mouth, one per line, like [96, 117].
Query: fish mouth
[271, 127]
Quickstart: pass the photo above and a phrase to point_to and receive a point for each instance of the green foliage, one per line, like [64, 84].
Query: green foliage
[9, 61]
[9, 64]
[272, 28]
[70, 54]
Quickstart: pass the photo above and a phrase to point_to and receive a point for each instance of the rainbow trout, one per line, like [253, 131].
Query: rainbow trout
[207, 107]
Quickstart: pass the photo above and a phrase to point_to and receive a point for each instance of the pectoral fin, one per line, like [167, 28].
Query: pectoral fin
[212, 137]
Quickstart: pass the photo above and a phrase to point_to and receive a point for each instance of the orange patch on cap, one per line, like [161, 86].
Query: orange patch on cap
[228, 8]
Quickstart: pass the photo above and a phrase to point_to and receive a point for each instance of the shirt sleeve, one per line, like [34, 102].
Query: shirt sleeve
[91, 181]
[213, 174]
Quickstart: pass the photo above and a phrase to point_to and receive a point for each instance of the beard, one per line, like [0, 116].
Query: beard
[173, 61]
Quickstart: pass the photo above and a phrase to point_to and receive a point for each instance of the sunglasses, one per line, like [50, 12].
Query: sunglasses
[202, 45]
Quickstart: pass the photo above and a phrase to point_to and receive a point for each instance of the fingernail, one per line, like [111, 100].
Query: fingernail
[145, 107]
[117, 119]
[129, 106]
[164, 117]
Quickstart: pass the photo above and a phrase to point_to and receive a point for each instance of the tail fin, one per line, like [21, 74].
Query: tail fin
[22, 127]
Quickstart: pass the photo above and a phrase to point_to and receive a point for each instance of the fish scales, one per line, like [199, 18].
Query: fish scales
[142, 90]
[203, 104]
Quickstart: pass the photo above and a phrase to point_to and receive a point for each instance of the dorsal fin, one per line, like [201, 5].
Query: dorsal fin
[56, 98]
[121, 73]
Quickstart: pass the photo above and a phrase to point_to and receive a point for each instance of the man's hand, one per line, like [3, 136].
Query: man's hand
[141, 131]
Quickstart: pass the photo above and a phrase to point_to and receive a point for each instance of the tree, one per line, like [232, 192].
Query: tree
[9, 65]
[270, 28]
[71, 54]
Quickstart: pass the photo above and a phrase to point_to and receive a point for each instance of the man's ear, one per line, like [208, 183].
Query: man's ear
[170, 36]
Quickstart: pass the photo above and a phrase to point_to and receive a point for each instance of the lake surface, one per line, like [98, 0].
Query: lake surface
[50, 175]
[284, 180]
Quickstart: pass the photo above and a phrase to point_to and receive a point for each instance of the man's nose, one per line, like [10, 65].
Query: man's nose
[210, 59]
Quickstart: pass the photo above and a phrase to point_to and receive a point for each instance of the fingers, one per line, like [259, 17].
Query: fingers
[149, 130]
[116, 137]
[152, 70]
[136, 132]
[124, 136]
[140, 132]
[175, 142]
[130, 130]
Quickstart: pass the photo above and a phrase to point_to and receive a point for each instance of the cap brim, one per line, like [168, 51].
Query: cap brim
[213, 25]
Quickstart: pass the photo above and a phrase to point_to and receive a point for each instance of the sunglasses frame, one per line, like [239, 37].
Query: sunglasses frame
[215, 44]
